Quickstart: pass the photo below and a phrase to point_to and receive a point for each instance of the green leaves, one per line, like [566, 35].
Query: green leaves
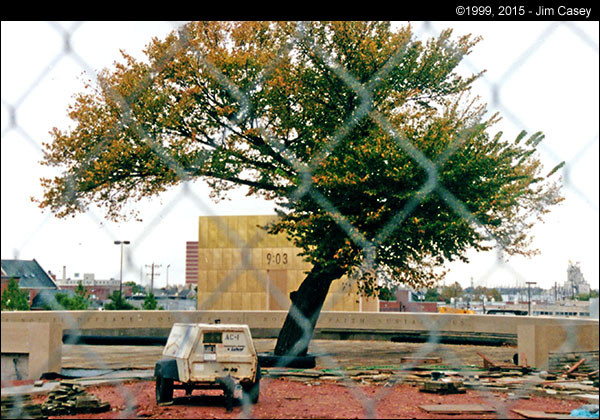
[366, 138]
[13, 298]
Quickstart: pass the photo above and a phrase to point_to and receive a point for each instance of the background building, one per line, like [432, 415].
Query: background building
[191, 264]
[30, 276]
[406, 300]
[241, 267]
[575, 283]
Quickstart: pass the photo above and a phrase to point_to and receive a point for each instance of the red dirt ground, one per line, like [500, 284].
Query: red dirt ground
[283, 398]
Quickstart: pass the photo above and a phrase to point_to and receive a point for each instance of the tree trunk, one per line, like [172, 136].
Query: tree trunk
[307, 301]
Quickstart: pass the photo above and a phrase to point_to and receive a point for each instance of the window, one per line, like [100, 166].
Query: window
[213, 337]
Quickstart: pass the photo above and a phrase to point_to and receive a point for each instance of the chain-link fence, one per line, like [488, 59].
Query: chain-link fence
[543, 77]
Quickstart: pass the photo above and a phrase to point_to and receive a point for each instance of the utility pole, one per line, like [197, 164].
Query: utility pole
[121, 272]
[152, 275]
[529, 283]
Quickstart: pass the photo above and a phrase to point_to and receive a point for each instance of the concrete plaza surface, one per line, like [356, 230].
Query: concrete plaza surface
[329, 353]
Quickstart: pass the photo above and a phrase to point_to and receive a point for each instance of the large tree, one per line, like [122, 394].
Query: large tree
[380, 163]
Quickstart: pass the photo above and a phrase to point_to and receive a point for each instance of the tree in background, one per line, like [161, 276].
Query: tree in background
[150, 302]
[135, 288]
[432, 295]
[62, 301]
[477, 293]
[454, 290]
[380, 165]
[117, 303]
[387, 293]
[13, 298]
[587, 296]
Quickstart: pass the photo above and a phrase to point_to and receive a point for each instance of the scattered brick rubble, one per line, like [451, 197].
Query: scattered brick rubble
[67, 399]
[70, 398]
[569, 375]
[574, 362]
[20, 406]
[563, 379]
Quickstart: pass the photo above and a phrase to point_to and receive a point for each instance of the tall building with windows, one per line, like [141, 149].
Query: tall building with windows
[241, 267]
[191, 264]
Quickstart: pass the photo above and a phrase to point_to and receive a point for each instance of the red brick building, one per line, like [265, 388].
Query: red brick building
[191, 264]
[30, 276]
[406, 301]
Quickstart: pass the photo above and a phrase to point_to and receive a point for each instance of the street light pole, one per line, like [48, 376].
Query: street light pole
[121, 275]
[168, 265]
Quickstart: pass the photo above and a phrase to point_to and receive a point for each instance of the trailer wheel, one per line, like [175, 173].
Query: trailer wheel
[252, 390]
[164, 389]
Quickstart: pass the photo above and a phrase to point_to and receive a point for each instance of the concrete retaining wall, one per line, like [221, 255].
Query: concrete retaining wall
[535, 341]
[365, 321]
[30, 349]
[534, 333]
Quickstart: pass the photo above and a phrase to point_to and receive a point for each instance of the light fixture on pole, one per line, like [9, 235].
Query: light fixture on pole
[121, 275]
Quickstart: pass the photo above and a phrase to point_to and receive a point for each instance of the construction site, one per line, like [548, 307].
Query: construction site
[380, 365]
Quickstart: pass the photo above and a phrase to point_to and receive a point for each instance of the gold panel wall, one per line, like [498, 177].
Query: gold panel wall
[241, 267]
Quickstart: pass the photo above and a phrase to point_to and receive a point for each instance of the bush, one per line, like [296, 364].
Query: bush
[13, 298]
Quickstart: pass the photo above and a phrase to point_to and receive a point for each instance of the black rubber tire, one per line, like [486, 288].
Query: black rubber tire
[252, 391]
[164, 389]
[228, 391]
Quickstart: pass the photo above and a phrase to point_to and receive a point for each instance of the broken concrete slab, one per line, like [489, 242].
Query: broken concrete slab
[536, 414]
[458, 408]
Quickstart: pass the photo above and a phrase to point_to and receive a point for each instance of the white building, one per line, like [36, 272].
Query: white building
[575, 283]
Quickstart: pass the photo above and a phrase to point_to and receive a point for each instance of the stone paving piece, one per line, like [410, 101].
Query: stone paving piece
[71, 398]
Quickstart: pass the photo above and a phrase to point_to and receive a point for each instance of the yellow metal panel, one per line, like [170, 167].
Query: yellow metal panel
[246, 302]
[232, 237]
[200, 298]
[224, 241]
[203, 259]
[226, 259]
[213, 233]
[202, 281]
[261, 280]
[235, 301]
[370, 304]
[292, 282]
[217, 303]
[242, 230]
[241, 281]
[327, 305]
[254, 234]
[282, 240]
[252, 282]
[259, 301]
[237, 262]
[203, 233]
[212, 281]
[265, 240]
[295, 261]
[205, 301]
[232, 277]
[256, 258]
[299, 276]
[242, 258]
[217, 258]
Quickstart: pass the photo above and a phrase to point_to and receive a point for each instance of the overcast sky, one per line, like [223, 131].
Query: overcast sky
[541, 76]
